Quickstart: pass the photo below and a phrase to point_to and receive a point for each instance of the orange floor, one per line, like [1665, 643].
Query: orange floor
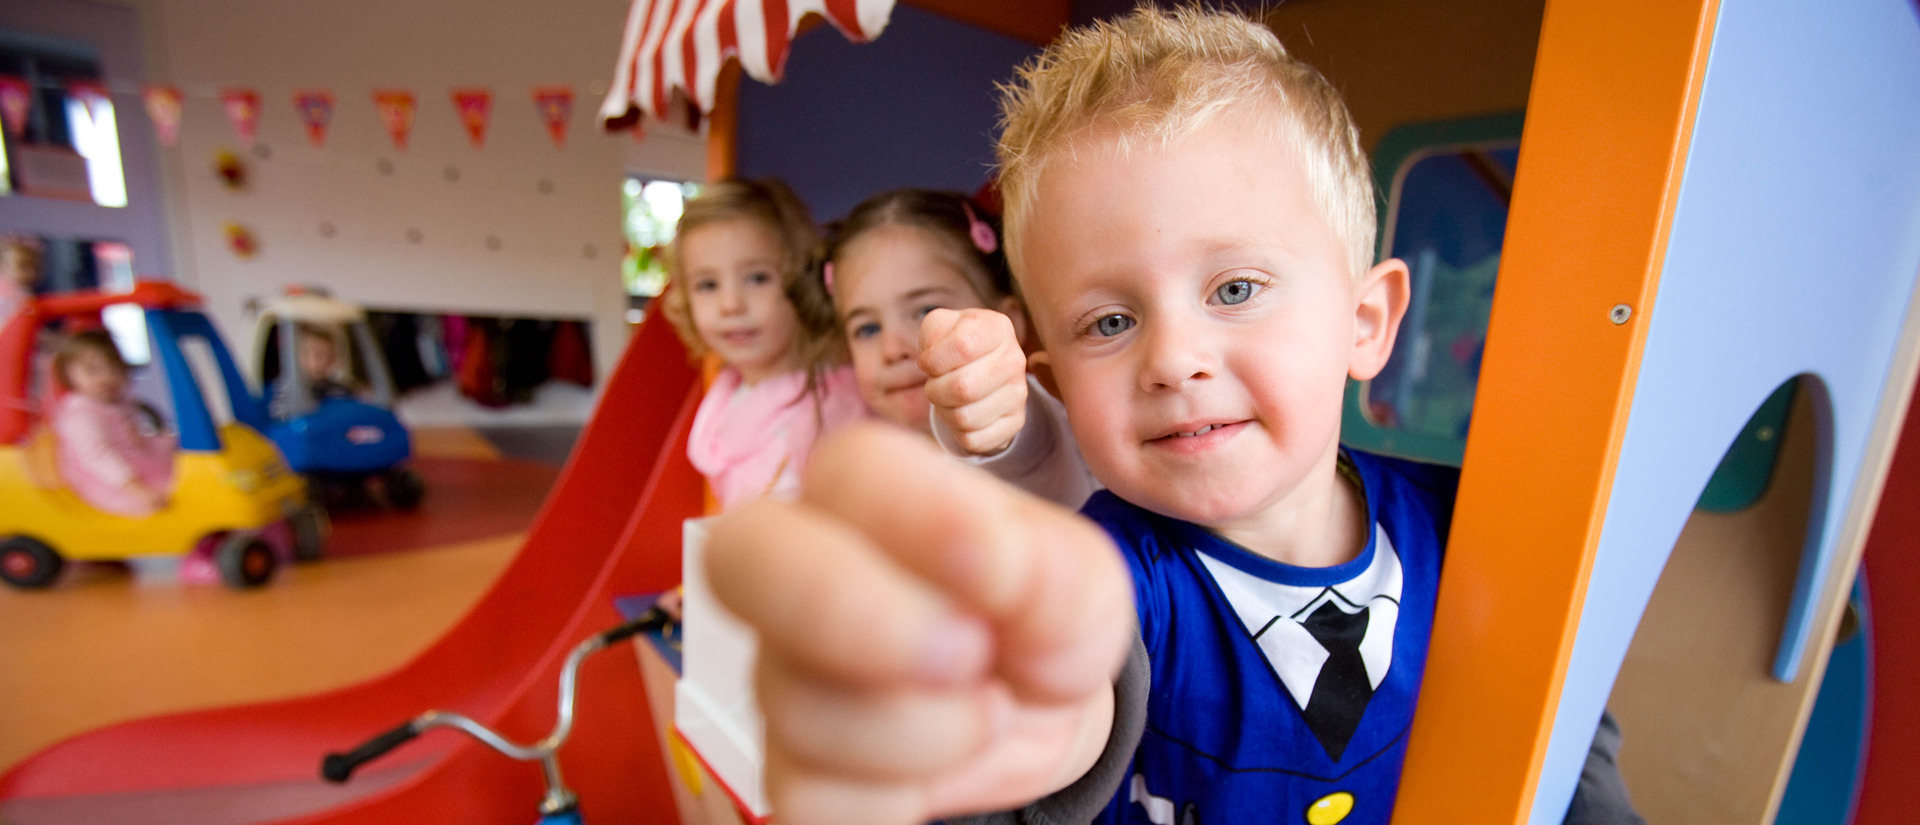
[103, 648]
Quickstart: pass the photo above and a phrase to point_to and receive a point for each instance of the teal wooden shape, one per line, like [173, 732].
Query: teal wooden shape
[1456, 309]
[1747, 468]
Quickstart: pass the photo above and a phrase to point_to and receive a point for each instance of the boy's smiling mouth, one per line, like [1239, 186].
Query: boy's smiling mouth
[1196, 436]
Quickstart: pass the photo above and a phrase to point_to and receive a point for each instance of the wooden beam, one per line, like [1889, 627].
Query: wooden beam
[723, 125]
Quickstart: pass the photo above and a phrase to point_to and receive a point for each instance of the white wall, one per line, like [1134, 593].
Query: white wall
[542, 267]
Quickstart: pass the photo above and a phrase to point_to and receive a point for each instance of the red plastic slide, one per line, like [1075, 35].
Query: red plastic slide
[1888, 794]
[611, 526]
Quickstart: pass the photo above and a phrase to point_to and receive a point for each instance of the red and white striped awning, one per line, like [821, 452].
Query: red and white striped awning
[683, 44]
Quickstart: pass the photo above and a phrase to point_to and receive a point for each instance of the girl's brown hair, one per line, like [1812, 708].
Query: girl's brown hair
[950, 216]
[81, 343]
[774, 205]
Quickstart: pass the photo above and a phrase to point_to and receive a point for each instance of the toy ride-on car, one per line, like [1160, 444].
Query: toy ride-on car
[236, 510]
[331, 398]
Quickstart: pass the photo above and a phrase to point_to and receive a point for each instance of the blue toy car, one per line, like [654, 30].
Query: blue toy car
[331, 396]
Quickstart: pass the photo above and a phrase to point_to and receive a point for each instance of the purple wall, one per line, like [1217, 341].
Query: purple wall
[1087, 11]
[914, 108]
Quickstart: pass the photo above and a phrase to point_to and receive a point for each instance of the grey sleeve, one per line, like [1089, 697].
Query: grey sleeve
[1080, 802]
[1601, 797]
[1043, 458]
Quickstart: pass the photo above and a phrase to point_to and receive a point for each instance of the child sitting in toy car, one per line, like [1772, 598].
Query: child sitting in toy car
[104, 457]
[319, 361]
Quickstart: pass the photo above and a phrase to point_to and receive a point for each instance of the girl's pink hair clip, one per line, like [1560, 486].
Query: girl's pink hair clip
[982, 234]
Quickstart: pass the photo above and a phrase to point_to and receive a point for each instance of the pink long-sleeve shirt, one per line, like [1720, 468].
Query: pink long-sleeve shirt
[100, 452]
[752, 441]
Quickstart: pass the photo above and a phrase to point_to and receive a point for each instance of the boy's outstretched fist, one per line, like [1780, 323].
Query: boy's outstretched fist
[932, 641]
[976, 376]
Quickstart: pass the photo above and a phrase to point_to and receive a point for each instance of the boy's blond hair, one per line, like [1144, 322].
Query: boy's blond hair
[1155, 76]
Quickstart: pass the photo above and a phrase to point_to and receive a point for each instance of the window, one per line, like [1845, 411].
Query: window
[205, 366]
[127, 323]
[69, 146]
[651, 209]
[68, 264]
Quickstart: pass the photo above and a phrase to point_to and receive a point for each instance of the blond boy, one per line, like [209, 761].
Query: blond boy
[1191, 223]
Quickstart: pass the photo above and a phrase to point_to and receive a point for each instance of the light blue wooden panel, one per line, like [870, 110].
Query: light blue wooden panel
[1794, 249]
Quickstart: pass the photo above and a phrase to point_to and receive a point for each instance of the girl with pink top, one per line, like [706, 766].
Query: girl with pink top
[103, 456]
[742, 288]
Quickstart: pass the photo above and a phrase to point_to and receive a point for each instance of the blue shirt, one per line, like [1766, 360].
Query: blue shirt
[1280, 691]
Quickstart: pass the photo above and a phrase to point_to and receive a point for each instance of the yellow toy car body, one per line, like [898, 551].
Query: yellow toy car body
[236, 508]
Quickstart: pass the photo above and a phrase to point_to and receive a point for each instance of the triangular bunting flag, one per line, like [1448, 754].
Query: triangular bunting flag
[16, 104]
[243, 109]
[556, 110]
[476, 108]
[396, 112]
[89, 92]
[316, 111]
[163, 108]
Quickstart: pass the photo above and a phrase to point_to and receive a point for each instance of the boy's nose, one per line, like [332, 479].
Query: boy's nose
[1174, 356]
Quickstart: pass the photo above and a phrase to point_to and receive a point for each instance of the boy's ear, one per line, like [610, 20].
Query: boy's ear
[1382, 297]
[1022, 331]
[1041, 368]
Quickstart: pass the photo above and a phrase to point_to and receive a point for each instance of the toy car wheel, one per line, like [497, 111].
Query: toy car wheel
[310, 529]
[330, 493]
[29, 563]
[404, 489]
[245, 561]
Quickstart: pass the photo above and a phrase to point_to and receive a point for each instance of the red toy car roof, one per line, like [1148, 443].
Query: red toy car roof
[17, 338]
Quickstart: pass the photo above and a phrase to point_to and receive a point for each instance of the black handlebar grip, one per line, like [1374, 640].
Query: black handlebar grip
[654, 617]
[338, 766]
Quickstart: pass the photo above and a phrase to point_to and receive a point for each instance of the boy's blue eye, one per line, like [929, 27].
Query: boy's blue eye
[922, 312]
[1108, 326]
[759, 278]
[705, 285]
[866, 330]
[1235, 292]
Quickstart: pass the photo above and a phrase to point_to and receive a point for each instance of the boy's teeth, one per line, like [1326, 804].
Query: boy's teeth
[1201, 431]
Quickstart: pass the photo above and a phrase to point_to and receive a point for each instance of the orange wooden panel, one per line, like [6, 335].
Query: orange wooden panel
[1035, 21]
[723, 124]
[1614, 90]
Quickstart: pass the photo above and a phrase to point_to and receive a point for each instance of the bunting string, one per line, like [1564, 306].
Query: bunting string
[166, 105]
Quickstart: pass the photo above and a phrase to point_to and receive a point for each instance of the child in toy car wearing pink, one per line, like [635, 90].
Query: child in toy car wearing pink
[103, 456]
